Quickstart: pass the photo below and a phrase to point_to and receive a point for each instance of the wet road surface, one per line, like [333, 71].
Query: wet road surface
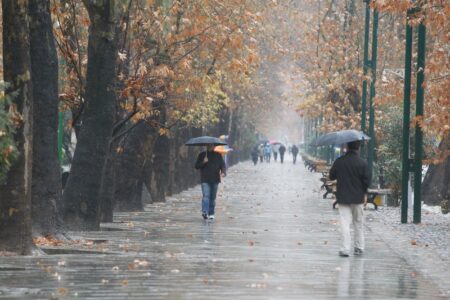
[274, 237]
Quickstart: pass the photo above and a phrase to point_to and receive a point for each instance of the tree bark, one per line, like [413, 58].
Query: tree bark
[107, 189]
[158, 173]
[435, 186]
[46, 179]
[81, 211]
[15, 194]
[137, 152]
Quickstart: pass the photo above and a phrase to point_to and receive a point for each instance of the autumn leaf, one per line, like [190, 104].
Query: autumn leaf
[62, 291]
[12, 210]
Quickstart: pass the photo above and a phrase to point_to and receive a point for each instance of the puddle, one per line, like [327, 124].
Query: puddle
[58, 251]
[112, 229]
[11, 268]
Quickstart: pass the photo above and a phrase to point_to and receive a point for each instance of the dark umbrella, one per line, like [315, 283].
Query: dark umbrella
[204, 140]
[340, 137]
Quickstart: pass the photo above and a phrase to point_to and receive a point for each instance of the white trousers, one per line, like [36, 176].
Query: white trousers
[352, 213]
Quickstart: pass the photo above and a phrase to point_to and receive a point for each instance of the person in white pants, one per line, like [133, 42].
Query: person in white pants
[352, 213]
[353, 179]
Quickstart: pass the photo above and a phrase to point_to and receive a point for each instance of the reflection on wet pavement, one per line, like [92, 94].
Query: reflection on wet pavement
[274, 238]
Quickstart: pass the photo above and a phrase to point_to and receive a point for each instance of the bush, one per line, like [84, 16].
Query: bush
[388, 165]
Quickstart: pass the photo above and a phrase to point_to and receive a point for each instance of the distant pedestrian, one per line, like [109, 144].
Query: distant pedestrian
[254, 155]
[267, 152]
[353, 179]
[294, 153]
[282, 150]
[211, 166]
[275, 149]
[261, 152]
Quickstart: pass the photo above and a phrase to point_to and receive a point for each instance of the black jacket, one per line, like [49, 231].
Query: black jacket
[210, 172]
[353, 178]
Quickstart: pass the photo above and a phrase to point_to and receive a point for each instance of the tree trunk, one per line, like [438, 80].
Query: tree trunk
[435, 187]
[46, 179]
[107, 188]
[158, 175]
[137, 151]
[15, 194]
[81, 211]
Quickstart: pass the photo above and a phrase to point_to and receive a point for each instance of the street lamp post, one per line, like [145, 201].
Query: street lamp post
[419, 118]
[373, 64]
[365, 68]
[406, 120]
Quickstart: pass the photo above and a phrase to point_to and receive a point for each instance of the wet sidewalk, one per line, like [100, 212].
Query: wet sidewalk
[274, 237]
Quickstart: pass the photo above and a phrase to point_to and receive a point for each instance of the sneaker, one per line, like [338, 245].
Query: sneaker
[358, 251]
[205, 216]
[343, 254]
[211, 217]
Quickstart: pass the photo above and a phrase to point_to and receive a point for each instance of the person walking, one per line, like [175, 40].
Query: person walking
[261, 152]
[294, 153]
[353, 179]
[275, 149]
[211, 166]
[282, 150]
[254, 155]
[267, 152]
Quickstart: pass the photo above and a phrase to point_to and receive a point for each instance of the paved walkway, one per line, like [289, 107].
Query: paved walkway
[274, 238]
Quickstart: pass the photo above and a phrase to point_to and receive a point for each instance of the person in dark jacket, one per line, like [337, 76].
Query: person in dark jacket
[282, 150]
[211, 166]
[294, 151]
[353, 179]
[254, 155]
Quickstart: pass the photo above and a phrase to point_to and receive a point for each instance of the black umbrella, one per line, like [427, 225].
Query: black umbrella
[340, 137]
[204, 140]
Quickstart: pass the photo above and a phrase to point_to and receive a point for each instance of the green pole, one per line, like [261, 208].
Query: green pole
[419, 115]
[316, 125]
[60, 135]
[373, 64]
[365, 68]
[308, 135]
[406, 119]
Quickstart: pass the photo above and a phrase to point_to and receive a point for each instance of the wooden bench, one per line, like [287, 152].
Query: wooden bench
[373, 193]
[323, 168]
[312, 163]
[330, 187]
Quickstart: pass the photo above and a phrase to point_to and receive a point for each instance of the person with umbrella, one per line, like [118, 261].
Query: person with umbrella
[211, 166]
[353, 179]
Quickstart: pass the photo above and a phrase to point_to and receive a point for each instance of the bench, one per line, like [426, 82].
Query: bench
[330, 187]
[373, 193]
[313, 164]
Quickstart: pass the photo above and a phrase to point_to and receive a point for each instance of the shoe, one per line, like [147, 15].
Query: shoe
[343, 254]
[358, 251]
[211, 217]
[205, 216]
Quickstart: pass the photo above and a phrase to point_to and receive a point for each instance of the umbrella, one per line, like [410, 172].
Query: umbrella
[340, 137]
[204, 140]
[274, 142]
[222, 149]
